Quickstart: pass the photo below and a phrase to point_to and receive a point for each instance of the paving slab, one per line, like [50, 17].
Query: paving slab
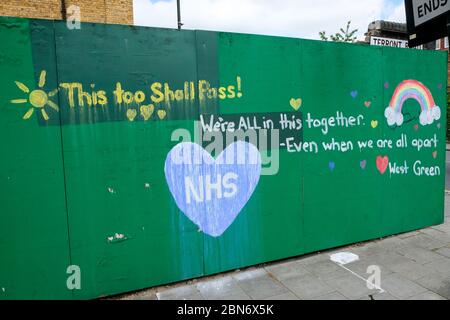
[425, 241]
[187, 292]
[138, 296]
[308, 286]
[445, 227]
[441, 265]
[383, 296]
[418, 254]
[391, 243]
[392, 260]
[401, 287]
[410, 269]
[232, 296]
[437, 283]
[152, 297]
[326, 270]
[379, 296]
[408, 234]
[332, 296]
[316, 257]
[286, 270]
[445, 251]
[221, 288]
[360, 267]
[427, 295]
[284, 296]
[351, 286]
[437, 234]
[259, 285]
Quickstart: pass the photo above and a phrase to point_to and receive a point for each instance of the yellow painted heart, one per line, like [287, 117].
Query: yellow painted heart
[374, 123]
[161, 114]
[131, 114]
[147, 111]
[295, 103]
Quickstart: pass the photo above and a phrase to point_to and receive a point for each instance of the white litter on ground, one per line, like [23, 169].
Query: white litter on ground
[344, 257]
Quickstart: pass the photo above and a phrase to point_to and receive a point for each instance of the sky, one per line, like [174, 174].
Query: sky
[289, 18]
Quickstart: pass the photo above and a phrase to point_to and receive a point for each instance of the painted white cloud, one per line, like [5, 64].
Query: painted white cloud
[393, 117]
[291, 18]
[428, 116]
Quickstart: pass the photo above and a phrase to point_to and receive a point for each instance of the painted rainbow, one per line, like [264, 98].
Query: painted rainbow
[412, 89]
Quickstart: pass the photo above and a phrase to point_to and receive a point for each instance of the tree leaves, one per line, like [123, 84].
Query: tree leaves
[341, 36]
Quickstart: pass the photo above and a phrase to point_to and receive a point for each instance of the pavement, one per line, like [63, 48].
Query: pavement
[413, 265]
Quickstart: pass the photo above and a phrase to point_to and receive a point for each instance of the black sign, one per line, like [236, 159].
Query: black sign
[426, 20]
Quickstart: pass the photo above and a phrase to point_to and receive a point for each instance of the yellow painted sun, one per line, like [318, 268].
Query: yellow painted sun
[38, 98]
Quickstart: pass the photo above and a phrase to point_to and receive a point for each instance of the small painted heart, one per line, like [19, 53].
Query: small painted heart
[295, 103]
[131, 114]
[374, 123]
[147, 111]
[439, 86]
[354, 93]
[386, 85]
[161, 114]
[382, 163]
[435, 154]
[331, 165]
[363, 164]
[367, 104]
[416, 127]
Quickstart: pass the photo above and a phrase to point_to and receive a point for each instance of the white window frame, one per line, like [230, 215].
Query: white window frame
[438, 44]
[446, 43]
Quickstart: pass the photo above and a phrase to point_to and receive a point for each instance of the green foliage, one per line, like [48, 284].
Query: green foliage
[341, 36]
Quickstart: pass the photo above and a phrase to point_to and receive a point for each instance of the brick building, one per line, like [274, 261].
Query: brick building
[386, 29]
[395, 30]
[104, 11]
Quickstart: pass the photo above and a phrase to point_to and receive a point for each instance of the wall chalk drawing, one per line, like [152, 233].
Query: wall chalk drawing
[212, 192]
[38, 98]
[118, 152]
[412, 89]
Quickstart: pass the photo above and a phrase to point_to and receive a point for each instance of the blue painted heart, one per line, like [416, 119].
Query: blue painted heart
[331, 165]
[354, 93]
[363, 164]
[212, 192]
[386, 85]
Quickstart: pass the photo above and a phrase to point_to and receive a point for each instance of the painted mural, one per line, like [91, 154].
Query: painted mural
[142, 156]
[212, 192]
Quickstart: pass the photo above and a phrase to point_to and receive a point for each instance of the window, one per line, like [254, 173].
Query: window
[438, 44]
[446, 43]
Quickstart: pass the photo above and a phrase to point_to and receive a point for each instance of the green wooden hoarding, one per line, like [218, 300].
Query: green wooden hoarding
[94, 120]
